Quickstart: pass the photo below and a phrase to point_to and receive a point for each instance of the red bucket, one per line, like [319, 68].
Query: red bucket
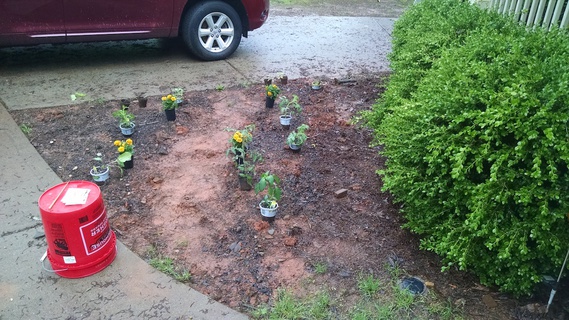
[80, 241]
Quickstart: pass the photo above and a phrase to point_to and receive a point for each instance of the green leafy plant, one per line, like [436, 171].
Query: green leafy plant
[125, 148]
[220, 87]
[178, 93]
[269, 182]
[272, 91]
[26, 129]
[298, 137]
[290, 107]
[77, 95]
[474, 128]
[169, 102]
[100, 166]
[124, 116]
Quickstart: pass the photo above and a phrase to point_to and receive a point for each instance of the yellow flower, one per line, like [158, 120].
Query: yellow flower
[270, 94]
[238, 137]
[169, 96]
[121, 149]
[129, 142]
[173, 98]
[117, 143]
[164, 98]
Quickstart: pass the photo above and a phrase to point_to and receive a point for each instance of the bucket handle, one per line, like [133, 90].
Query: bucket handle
[42, 259]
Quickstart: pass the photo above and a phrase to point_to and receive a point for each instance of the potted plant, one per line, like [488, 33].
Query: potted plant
[246, 171]
[316, 85]
[288, 108]
[269, 203]
[283, 77]
[169, 105]
[125, 148]
[297, 138]
[100, 170]
[238, 143]
[126, 123]
[272, 91]
[142, 100]
[179, 94]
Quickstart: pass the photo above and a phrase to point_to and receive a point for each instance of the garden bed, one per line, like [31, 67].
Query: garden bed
[181, 200]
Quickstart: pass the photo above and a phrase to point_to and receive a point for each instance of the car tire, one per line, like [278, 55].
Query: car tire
[212, 30]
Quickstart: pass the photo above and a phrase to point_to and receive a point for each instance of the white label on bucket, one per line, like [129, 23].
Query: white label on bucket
[69, 259]
[75, 196]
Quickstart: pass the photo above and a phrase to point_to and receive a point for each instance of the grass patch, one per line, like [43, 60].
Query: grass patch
[166, 265]
[376, 298]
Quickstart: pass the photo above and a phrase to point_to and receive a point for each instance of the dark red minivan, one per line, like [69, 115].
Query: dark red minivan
[212, 29]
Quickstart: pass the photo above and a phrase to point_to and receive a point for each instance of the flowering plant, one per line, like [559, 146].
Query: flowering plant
[239, 141]
[272, 91]
[125, 148]
[169, 102]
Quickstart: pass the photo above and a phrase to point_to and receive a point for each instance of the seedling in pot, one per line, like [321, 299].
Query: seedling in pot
[297, 138]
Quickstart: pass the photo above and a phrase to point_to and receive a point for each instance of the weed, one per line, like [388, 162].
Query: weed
[368, 286]
[26, 129]
[287, 307]
[220, 87]
[320, 268]
[166, 265]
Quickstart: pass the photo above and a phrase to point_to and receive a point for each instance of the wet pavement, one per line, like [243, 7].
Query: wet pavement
[310, 46]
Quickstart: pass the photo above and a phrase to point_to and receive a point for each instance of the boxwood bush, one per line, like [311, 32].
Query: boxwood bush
[475, 127]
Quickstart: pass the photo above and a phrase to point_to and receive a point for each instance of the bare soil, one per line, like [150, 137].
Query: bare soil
[182, 199]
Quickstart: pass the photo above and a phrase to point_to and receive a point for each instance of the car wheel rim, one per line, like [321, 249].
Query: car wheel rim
[216, 32]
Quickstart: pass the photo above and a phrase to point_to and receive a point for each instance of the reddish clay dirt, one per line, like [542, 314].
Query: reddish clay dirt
[182, 196]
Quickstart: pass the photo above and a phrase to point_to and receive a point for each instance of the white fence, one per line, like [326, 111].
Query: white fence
[545, 13]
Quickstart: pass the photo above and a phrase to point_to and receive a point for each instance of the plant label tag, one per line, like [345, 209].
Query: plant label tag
[75, 196]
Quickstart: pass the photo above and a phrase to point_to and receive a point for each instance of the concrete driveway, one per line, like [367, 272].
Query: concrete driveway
[301, 46]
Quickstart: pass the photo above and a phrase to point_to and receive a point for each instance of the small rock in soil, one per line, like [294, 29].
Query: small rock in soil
[356, 187]
[489, 301]
[290, 241]
[341, 193]
[261, 225]
[162, 150]
[271, 231]
[344, 274]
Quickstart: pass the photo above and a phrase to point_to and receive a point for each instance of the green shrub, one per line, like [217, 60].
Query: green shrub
[477, 151]
[420, 36]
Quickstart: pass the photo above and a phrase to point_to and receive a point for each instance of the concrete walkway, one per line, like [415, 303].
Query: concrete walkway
[129, 288]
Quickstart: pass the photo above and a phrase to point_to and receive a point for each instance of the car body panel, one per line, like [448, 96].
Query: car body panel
[26, 22]
[29, 22]
[91, 20]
